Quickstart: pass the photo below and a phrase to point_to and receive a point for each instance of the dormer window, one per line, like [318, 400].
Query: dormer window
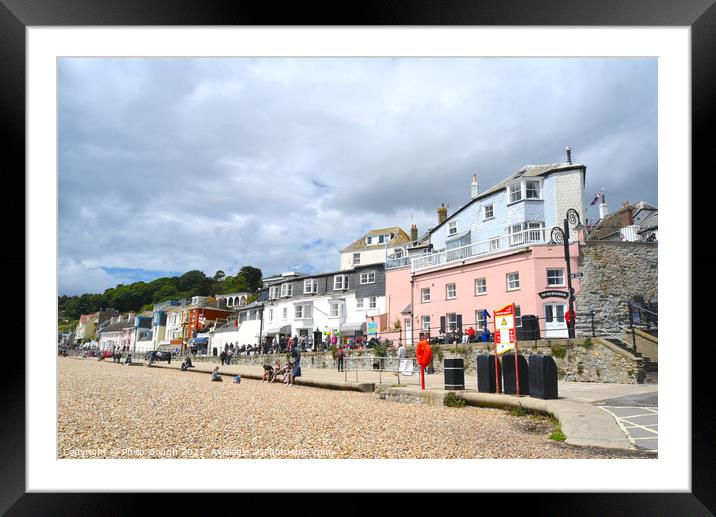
[452, 228]
[369, 240]
[356, 259]
[528, 188]
[340, 282]
[533, 189]
[381, 239]
[515, 191]
[286, 290]
[310, 286]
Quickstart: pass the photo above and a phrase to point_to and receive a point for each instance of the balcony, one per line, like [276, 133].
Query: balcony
[480, 249]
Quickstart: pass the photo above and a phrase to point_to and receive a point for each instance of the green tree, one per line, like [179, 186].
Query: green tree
[253, 277]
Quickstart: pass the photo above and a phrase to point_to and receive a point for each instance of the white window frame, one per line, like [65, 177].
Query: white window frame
[451, 323]
[343, 281]
[518, 281]
[538, 190]
[561, 274]
[423, 321]
[381, 239]
[298, 312]
[491, 206]
[284, 313]
[310, 286]
[369, 240]
[479, 321]
[359, 303]
[447, 291]
[423, 292]
[452, 228]
[273, 292]
[332, 307]
[356, 256]
[365, 278]
[286, 290]
[495, 244]
[373, 302]
[398, 253]
[511, 192]
[477, 291]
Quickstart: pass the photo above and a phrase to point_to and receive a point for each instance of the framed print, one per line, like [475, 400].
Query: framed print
[141, 165]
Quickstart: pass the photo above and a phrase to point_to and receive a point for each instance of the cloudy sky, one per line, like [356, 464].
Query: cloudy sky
[168, 165]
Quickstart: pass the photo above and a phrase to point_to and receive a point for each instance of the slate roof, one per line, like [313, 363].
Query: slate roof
[612, 223]
[528, 171]
[400, 238]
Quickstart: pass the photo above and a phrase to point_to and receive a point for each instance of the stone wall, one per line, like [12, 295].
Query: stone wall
[615, 273]
[575, 362]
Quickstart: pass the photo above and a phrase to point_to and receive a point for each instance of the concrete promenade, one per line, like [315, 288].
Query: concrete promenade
[581, 421]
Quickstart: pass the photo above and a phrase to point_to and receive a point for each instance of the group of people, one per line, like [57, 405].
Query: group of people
[288, 372]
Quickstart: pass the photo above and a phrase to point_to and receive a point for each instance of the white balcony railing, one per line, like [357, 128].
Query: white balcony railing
[480, 249]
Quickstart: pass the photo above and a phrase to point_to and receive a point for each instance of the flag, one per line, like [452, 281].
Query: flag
[596, 198]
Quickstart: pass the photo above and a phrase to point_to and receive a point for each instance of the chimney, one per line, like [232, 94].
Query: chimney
[474, 189]
[442, 213]
[603, 211]
[569, 155]
[627, 215]
[413, 233]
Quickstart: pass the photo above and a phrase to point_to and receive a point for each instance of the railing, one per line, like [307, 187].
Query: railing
[380, 365]
[397, 262]
[479, 249]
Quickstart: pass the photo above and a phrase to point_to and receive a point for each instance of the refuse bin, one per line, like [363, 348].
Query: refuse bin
[454, 373]
[214, 352]
[510, 377]
[486, 381]
[543, 377]
[529, 331]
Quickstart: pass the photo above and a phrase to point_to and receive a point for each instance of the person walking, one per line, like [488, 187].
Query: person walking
[229, 355]
[222, 357]
[339, 356]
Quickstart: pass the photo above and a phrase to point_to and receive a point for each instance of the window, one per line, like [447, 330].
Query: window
[373, 302]
[489, 211]
[369, 240]
[513, 281]
[398, 253]
[518, 316]
[285, 313]
[359, 303]
[515, 191]
[303, 311]
[425, 293]
[555, 277]
[273, 292]
[494, 244]
[367, 278]
[480, 286]
[425, 323]
[298, 314]
[525, 233]
[452, 228]
[270, 314]
[381, 239]
[334, 310]
[451, 291]
[286, 289]
[481, 321]
[356, 258]
[340, 282]
[533, 189]
[452, 321]
[310, 286]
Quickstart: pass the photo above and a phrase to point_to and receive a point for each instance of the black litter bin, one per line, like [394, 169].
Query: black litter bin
[508, 372]
[213, 352]
[529, 331]
[454, 373]
[543, 377]
[486, 381]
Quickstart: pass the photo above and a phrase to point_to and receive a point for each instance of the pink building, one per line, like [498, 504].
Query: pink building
[454, 295]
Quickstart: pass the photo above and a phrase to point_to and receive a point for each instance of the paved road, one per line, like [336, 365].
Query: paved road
[637, 415]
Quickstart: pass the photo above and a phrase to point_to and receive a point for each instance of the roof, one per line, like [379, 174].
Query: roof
[408, 309]
[651, 222]
[117, 326]
[146, 314]
[612, 223]
[400, 238]
[528, 171]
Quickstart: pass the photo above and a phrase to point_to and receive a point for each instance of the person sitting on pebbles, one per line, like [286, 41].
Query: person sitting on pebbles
[215, 376]
[268, 372]
[276, 371]
[187, 364]
[128, 360]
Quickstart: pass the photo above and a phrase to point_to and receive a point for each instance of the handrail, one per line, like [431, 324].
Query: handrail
[609, 334]
[348, 360]
[642, 308]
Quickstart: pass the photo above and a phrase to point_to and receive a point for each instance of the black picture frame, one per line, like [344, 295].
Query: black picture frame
[16, 15]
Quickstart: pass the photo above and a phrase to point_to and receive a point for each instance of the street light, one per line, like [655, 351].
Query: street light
[561, 236]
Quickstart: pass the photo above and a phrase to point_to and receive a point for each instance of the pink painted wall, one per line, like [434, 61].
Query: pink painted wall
[532, 266]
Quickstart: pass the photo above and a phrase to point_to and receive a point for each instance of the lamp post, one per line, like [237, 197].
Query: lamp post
[561, 236]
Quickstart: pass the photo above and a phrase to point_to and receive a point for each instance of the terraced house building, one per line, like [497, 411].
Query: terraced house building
[493, 251]
[341, 301]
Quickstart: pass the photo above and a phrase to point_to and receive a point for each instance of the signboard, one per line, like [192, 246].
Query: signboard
[576, 275]
[372, 328]
[553, 294]
[505, 337]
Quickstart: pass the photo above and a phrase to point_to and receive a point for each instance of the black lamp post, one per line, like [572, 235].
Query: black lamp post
[561, 236]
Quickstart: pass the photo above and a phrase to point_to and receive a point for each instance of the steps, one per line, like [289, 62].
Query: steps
[651, 369]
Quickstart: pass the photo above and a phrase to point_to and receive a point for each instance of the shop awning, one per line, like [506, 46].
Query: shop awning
[352, 327]
[199, 341]
[286, 329]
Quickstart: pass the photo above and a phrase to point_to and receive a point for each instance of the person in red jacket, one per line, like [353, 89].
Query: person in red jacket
[471, 334]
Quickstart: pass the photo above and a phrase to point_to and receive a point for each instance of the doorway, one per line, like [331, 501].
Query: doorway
[554, 322]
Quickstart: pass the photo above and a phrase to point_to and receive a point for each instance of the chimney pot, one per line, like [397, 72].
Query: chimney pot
[569, 155]
[413, 233]
[442, 213]
[474, 188]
